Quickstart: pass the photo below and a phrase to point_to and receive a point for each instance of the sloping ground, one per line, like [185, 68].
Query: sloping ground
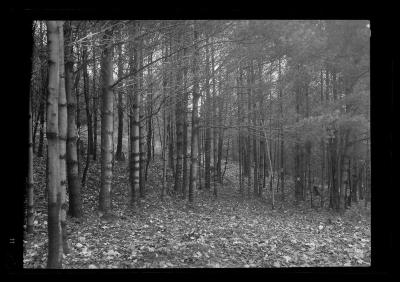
[224, 232]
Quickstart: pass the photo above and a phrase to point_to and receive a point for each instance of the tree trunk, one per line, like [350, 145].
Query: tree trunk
[106, 125]
[62, 126]
[226, 161]
[42, 120]
[95, 104]
[195, 126]
[78, 122]
[74, 184]
[207, 145]
[270, 164]
[185, 146]
[54, 259]
[87, 101]
[149, 120]
[44, 84]
[118, 155]
[30, 192]
[134, 120]
[282, 165]
[88, 114]
[142, 155]
[164, 136]
[178, 121]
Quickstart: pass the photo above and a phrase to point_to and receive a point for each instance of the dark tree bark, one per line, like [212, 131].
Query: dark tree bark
[74, 184]
[149, 119]
[95, 104]
[119, 154]
[179, 120]
[87, 100]
[88, 114]
[44, 87]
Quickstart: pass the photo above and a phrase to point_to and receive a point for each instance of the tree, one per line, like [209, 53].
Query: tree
[118, 154]
[88, 114]
[106, 124]
[195, 127]
[30, 202]
[53, 156]
[207, 141]
[134, 156]
[74, 184]
[62, 126]
[179, 116]
[44, 83]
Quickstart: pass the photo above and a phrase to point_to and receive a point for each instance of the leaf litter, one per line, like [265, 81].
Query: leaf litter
[225, 232]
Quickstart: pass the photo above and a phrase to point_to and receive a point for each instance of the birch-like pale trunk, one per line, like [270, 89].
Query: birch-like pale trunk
[54, 259]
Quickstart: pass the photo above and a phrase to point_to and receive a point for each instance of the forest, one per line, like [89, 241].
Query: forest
[198, 144]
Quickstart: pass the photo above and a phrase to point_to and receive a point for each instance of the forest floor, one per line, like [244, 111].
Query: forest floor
[228, 231]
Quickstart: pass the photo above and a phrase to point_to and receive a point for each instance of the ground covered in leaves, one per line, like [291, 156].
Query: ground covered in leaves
[228, 231]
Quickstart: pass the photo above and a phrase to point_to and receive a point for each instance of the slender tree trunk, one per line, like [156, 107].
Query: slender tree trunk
[35, 127]
[164, 151]
[240, 137]
[270, 164]
[322, 171]
[221, 131]
[142, 155]
[30, 192]
[135, 154]
[42, 120]
[207, 145]
[179, 122]
[298, 149]
[118, 155]
[85, 170]
[87, 101]
[164, 136]
[195, 122]
[44, 87]
[355, 180]
[106, 125]
[78, 122]
[282, 165]
[149, 120]
[220, 148]
[215, 109]
[185, 146]
[74, 184]
[62, 125]
[226, 161]
[54, 259]
[367, 176]
[88, 114]
[95, 104]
